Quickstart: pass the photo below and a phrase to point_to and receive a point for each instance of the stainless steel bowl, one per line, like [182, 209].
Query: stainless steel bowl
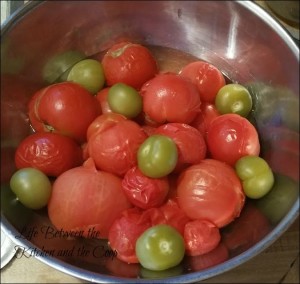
[239, 37]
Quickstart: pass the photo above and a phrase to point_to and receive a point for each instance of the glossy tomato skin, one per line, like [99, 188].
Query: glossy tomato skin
[125, 231]
[170, 98]
[211, 190]
[51, 153]
[189, 141]
[84, 198]
[206, 77]
[101, 97]
[65, 108]
[114, 148]
[230, 137]
[142, 191]
[103, 121]
[129, 63]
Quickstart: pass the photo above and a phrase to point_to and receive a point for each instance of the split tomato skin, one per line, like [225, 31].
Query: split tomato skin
[230, 137]
[51, 153]
[129, 63]
[114, 148]
[170, 98]
[66, 108]
[211, 190]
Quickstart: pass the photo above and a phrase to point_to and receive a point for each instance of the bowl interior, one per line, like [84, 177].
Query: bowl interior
[246, 44]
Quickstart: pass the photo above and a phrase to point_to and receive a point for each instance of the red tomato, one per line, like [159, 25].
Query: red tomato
[189, 141]
[51, 153]
[201, 237]
[174, 215]
[65, 108]
[230, 137]
[212, 258]
[170, 98]
[83, 199]
[129, 63]
[114, 148]
[211, 190]
[125, 231]
[102, 99]
[142, 191]
[206, 77]
[208, 112]
[103, 121]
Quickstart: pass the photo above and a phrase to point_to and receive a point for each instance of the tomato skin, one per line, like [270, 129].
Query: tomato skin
[102, 122]
[230, 137]
[200, 237]
[129, 63]
[125, 231]
[65, 108]
[210, 190]
[51, 153]
[114, 148]
[189, 141]
[164, 93]
[83, 198]
[101, 97]
[142, 191]
[206, 77]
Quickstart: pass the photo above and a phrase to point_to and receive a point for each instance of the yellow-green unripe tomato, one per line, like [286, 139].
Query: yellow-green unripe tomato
[32, 187]
[89, 74]
[157, 156]
[256, 175]
[125, 100]
[234, 98]
[160, 247]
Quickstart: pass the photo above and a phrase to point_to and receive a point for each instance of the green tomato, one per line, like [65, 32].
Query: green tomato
[59, 64]
[89, 74]
[160, 247]
[256, 175]
[234, 98]
[32, 187]
[157, 156]
[125, 100]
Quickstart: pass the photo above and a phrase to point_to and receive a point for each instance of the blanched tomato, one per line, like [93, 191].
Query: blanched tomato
[206, 77]
[211, 190]
[189, 141]
[103, 121]
[201, 237]
[208, 112]
[51, 153]
[142, 191]
[84, 198]
[230, 137]
[114, 148]
[125, 231]
[129, 63]
[170, 98]
[102, 99]
[65, 108]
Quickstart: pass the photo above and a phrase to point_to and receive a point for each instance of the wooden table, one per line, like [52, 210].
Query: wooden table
[277, 264]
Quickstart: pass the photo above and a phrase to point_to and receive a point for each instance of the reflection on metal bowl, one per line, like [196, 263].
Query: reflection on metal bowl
[241, 39]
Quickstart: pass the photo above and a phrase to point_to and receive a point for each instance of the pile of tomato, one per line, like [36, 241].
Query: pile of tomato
[156, 162]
